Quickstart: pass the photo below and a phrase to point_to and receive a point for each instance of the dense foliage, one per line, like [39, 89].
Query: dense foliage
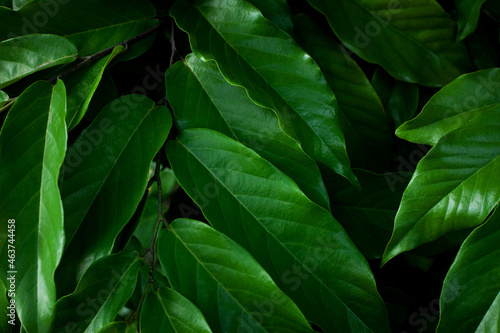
[250, 166]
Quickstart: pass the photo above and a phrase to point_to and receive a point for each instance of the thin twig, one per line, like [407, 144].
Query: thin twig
[172, 43]
[104, 52]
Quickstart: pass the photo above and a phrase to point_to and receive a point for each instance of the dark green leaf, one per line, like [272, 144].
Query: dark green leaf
[368, 215]
[400, 99]
[453, 107]
[468, 15]
[299, 243]
[105, 176]
[470, 299]
[276, 11]
[276, 72]
[413, 40]
[22, 56]
[17, 4]
[119, 327]
[454, 187]
[82, 86]
[367, 129]
[102, 292]
[92, 25]
[8, 311]
[32, 147]
[165, 310]
[225, 282]
[201, 98]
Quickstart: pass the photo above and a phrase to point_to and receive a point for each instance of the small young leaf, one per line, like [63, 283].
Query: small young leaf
[22, 56]
[225, 282]
[468, 16]
[165, 310]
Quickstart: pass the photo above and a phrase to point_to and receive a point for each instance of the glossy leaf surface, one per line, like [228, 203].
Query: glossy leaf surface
[413, 40]
[468, 15]
[101, 293]
[276, 72]
[472, 286]
[32, 148]
[105, 176]
[202, 98]
[218, 276]
[165, 310]
[251, 201]
[367, 128]
[276, 11]
[22, 56]
[453, 107]
[92, 25]
[454, 186]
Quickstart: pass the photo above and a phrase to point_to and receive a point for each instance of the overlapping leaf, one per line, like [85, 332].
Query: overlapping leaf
[276, 11]
[202, 98]
[467, 16]
[82, 86]
[400, 99]
[32, 148]
[471, 290]
[454, 106]
[254, 53]
[105, 176]
[22, 56]
[413, 40]
[92, 25]
[367, 128]
[225, 282]
[454, 187]
[165, 310]
[299, 243]
[119, 327]
[103, 291]
[368, 215]
[3, 98]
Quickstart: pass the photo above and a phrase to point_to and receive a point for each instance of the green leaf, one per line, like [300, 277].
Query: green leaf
[299, 243]
[368, 215]
[400, 99]
[470, 300]
[32, 148]
[276, 72]
[4, 98]
[102, 292]
[467, 16]
[8, 311]
[367, 128]
[276, 11]
[202, 98]
[119, 327]
[224, 281]
[82, 86]
[165, 310]
[92, 25]
[22, 56]
[454, 187]
[105, 176]
[453, 107]
[413, 40]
